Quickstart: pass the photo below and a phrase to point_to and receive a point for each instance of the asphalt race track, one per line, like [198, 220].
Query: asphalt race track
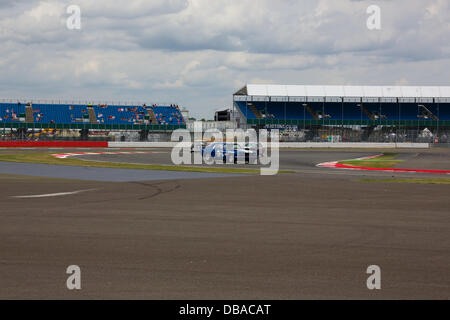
[310, 234]
[289, 159]
[100, 174]
[305, 161]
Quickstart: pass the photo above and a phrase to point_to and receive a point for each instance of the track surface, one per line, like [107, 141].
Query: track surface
[100, 174]
[303, 235]
[289, 159]
[305, 161]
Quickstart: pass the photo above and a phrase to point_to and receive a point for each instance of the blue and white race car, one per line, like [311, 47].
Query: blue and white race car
[231, 150]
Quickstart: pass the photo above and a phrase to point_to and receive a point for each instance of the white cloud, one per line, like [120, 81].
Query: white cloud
[197, 52]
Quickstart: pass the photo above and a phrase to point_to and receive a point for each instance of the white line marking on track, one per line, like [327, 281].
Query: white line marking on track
[59, 194]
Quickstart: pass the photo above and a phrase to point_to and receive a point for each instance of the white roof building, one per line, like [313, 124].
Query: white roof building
[299, 92]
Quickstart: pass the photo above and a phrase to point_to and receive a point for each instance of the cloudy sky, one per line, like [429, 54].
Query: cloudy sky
[198, 52]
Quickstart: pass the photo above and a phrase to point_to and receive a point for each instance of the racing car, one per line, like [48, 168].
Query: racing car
[224, 150]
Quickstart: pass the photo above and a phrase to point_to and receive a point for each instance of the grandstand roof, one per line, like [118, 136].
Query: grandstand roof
[345, 91]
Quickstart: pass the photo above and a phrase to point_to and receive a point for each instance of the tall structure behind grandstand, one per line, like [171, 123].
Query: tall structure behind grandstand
[351, 113]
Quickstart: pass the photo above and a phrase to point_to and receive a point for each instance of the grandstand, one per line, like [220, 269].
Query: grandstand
[87, 116]
[347, 113]
[344, 105]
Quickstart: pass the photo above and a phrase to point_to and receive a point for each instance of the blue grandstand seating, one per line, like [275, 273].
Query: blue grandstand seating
[105, 114]
[390, 111]
[63, 113]
[170, 115]
[276, 109]
[352, 111]
[409, 111]
[119, 114]
[245, 110]
[293, 110]
[9, 112]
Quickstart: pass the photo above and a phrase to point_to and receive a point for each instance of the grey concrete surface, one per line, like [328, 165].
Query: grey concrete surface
[98, 174]
[308, 235]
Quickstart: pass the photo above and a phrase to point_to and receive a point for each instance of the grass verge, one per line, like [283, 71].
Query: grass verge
[47, 158]
[420, 181]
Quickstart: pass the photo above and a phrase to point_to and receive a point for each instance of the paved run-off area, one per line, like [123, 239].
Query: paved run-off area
[100, 174]
[301, 235]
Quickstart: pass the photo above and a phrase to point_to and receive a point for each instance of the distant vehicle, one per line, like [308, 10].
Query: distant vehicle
[224, 150]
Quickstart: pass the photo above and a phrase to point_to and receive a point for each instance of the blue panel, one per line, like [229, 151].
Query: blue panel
[389, 111]
[352, 111]
[444, 111]
[242, 105]
[331, 111]
[168, 115]
[408, 111]
[69, 114]
[272, 110]
[295, 111]
[9, 112]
